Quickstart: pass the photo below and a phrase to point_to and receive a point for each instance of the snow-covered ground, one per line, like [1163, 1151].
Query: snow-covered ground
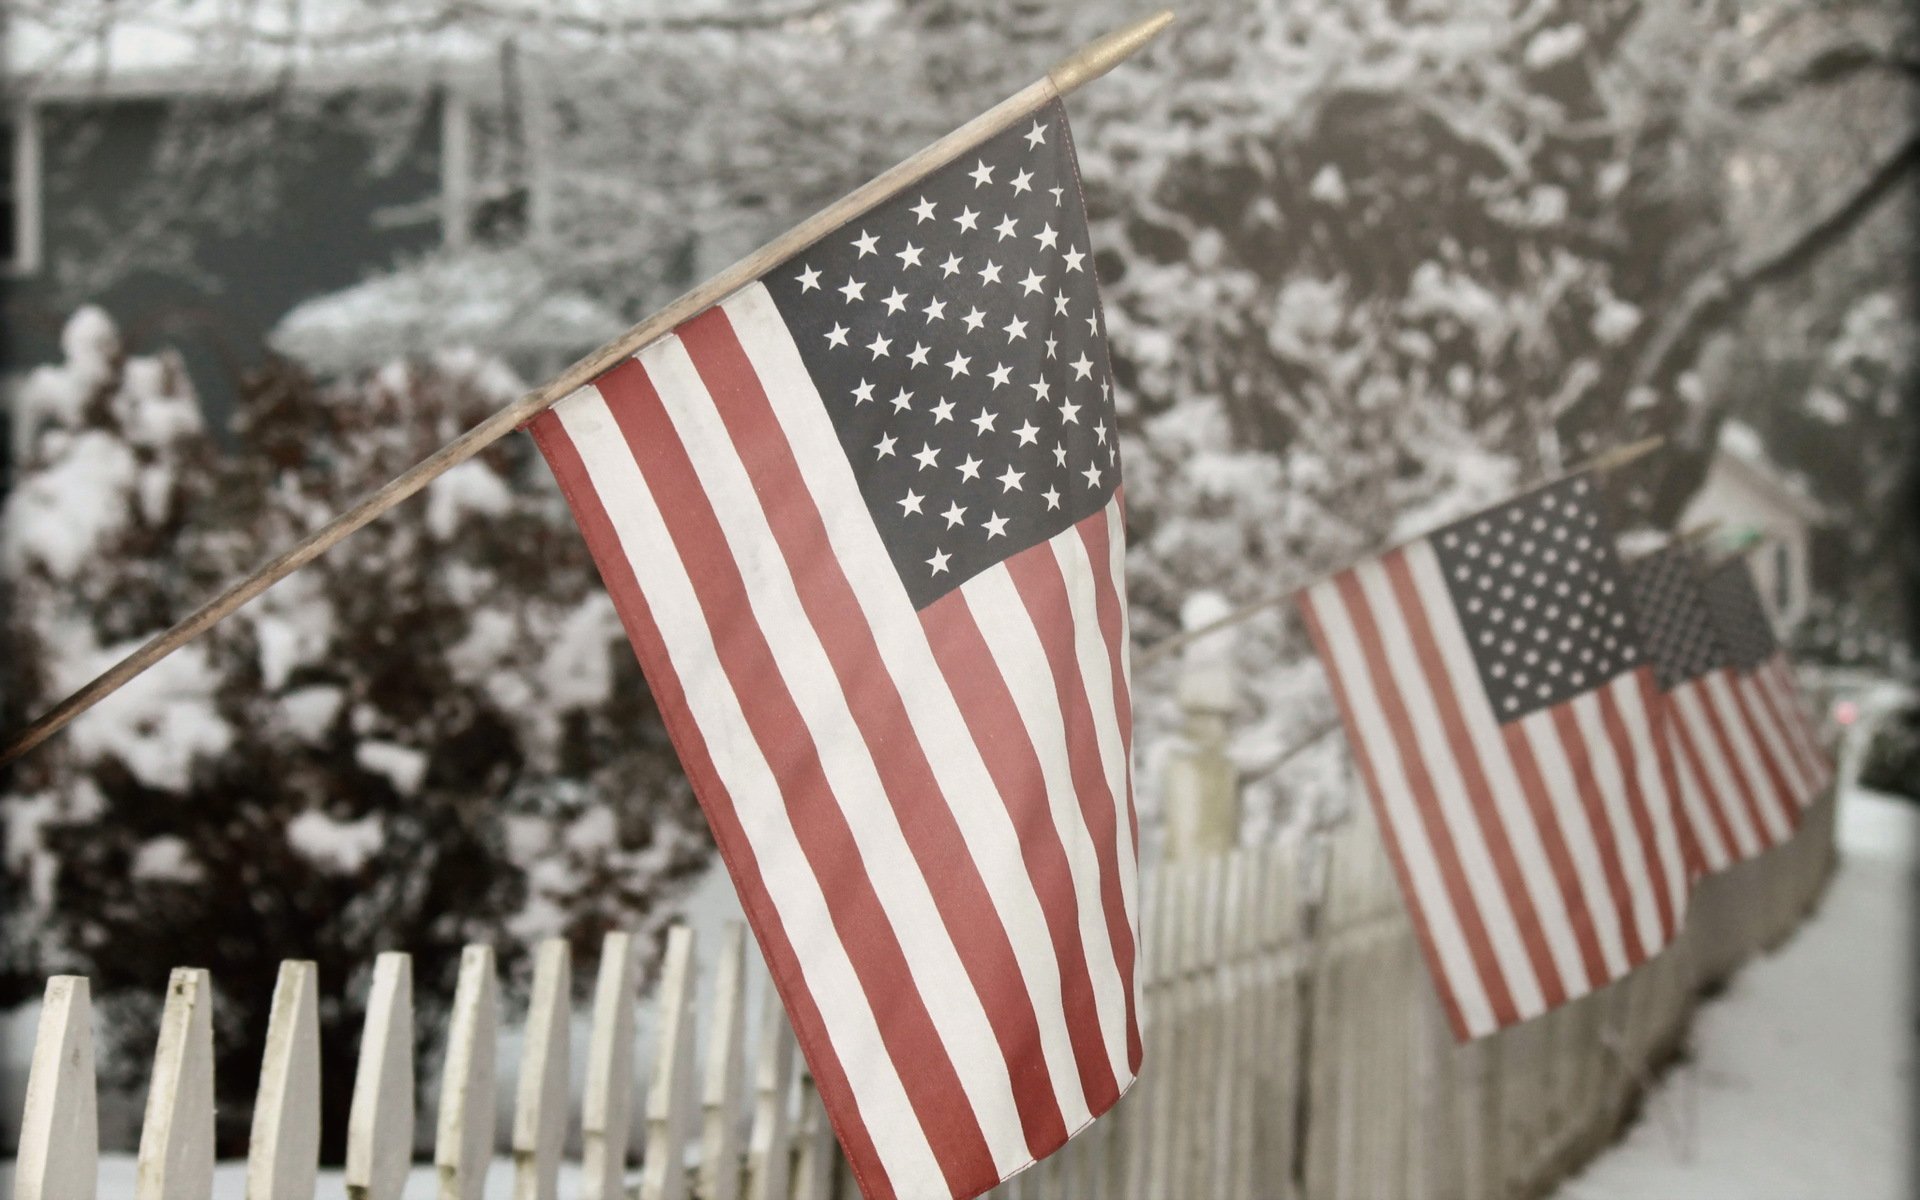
[1802, 1074]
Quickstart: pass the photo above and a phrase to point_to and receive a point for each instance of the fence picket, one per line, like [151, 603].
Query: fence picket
[59, 1131]
[176, 1139]
[814, 1161]
[606, 1111]
[463, 1143]
[669, 1096]
[283, 1154]
[380, 1121]
[768, 1157]
[1231, 972]
[540, 1103]
[720, 1091]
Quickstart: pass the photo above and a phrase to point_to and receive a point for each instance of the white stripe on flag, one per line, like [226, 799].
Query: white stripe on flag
[852, 775]
[1773, 806]
[1456, 803]
[1723, 785]
[1117, 554]
[1785, 753]
[1693, 798]
[1563, 793]
[1610, 780]
[1096, 679]
[1663, 811]
[902, 1145]
[1434, 909]
[1015, 646]
[1779, 679]
[1552, 905]
[991, 837]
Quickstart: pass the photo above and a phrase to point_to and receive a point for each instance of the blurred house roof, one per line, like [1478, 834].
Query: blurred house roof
[1741, 452]
[130, 48]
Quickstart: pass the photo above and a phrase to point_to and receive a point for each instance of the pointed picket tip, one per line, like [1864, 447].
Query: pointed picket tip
[59, 1130]
[540, 1105]
[284, 1152]
[176, 1139]
[380, 1122]
[463, 1142]
[606, 1110]
[670, 1094]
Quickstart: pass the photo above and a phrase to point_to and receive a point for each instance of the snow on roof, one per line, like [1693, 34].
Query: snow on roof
[1740, 446]
[112, 47]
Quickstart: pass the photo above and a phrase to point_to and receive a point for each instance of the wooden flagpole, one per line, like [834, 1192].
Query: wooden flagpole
[1686, 537]
[1087, 64]
[1606, 460]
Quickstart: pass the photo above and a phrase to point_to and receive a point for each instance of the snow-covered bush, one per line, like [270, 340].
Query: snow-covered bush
[435, 733]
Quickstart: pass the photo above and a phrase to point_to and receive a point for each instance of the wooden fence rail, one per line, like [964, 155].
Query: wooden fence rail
[1295, 1050]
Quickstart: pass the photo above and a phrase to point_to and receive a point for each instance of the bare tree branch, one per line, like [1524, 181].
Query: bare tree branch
[1723, 295]
[1827, 67]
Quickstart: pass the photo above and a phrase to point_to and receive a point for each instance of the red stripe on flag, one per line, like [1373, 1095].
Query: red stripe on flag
[926, 1071]
[1436, 966]
[1612, 862]
[872, 696]
[1474, 777]
[1710, 797]
[1749, 790]
[783, 964]
[1640, 805]
[1533, 785]
[1043, 591]
[1445, 852]
[1784, 694]
[1093, 532]
[1792, 726]
[994, 722]
[1742, 687]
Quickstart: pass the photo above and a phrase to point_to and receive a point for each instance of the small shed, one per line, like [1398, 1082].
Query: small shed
[1746, 492]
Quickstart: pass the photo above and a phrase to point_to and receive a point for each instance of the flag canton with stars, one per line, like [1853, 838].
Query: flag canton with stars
[1674, 623]
[955, 336]
[1738, 615]
[1541, 597]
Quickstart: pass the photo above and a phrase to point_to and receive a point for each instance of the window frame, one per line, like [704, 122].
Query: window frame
[26, 178]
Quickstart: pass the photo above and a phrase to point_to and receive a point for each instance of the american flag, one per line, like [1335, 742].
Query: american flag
[1763, 681]
[1734, 805]
[862, 522]
[1506, 722]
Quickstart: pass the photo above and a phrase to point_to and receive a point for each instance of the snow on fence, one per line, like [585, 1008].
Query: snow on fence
[1295, 1049]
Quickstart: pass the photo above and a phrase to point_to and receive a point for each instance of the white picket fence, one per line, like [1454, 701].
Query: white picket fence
[1294, 1049]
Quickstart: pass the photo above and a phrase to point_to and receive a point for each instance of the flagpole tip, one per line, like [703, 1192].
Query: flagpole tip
[1103, 54]
[1620, 456]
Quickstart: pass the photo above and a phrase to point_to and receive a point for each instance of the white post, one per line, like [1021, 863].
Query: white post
[176, 1139]
[463, 1141]
[540, 1106]
[1202, 786]
[380, 1122]
[769, 1154]
[606, 1112]
[720, 1138]
[669, 1097]
[60, 1130]
[813, 1167]
[283, 1155]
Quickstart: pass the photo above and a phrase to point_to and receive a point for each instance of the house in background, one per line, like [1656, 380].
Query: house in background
[1746, 493]
[334, 169]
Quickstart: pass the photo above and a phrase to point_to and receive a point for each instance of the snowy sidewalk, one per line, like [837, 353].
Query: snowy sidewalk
[1802, 1073]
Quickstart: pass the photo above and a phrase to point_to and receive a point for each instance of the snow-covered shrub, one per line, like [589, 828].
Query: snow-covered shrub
[435, 733]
